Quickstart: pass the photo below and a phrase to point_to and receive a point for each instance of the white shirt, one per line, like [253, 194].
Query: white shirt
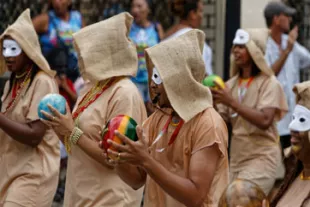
[299, 58]
[207, 52]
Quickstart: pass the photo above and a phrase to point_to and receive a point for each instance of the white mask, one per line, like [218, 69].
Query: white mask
[301, 119]
[155, 77]
[11, 48]
[242, 37]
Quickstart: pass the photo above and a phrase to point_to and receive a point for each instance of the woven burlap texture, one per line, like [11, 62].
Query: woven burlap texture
[302, 91]
[181, 68]
[104, 49]
[256, 47]
[23, 32]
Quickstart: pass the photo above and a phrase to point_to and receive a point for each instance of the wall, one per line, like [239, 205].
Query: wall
[252, 13]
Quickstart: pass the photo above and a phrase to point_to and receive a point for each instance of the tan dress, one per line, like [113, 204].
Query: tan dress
[255, 153]
[89, 183]
[204, 130]
[297, 194]
[29, 176]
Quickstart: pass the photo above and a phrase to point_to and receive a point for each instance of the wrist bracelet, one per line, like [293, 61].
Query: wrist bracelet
[75, 135]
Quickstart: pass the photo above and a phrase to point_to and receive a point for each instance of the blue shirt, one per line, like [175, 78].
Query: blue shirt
[143, 38]
[48, 40]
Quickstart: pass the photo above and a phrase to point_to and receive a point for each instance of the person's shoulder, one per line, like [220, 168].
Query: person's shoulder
[126, 87]
[43, 76]
[230, 83]
[209, 117]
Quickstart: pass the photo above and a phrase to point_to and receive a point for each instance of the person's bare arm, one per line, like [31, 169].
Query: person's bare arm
[278, 65]
[40, 23]
[161, 32]
[30, 134]
[263, 118]
[191, 190]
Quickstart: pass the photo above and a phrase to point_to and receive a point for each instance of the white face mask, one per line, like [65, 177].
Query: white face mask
[242, 37]
[301, 119]
[155, 77]
[11, 48]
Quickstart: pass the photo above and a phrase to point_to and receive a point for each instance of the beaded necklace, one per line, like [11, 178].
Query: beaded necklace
[17, 89]
[91, 96]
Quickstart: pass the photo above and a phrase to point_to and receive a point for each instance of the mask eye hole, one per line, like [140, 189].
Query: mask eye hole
[302, 120]
[13, 48]
[155, 76]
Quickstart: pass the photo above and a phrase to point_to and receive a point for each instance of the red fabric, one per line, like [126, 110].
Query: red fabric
[66, 95]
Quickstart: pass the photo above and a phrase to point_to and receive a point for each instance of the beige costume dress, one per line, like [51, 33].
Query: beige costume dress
[297, 194]
[204, 130]
[89, 183]
[109, 54]
[29, 175]
[181, 69]
[255, 153]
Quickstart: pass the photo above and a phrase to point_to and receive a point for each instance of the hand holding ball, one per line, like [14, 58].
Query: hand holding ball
[211, 80]
[122, 123]
[55, 100]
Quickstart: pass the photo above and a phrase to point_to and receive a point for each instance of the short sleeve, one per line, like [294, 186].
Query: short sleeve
[127, 101]
[210, 129]
[271, 95]
[223, 111]
[41, 86]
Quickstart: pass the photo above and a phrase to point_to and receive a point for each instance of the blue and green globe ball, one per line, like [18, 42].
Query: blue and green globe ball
[55, 100]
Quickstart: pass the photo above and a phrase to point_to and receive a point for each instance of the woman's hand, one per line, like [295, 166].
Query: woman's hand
[62, 124]
[222, 95]
[135, 153]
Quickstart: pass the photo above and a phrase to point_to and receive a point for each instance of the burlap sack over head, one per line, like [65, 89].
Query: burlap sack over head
[104, 49]
[302, 91]
[180, 65]
[255, 41]
[23, 32]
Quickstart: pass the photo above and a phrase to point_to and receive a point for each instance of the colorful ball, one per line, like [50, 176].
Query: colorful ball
[243, 193]
[55, 100]
[122, 123]
[210, 81]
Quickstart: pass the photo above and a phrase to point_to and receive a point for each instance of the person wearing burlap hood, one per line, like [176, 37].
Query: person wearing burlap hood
[107, 58]
[29, 152]
[182, 155]
[295, 188]
[252, 102]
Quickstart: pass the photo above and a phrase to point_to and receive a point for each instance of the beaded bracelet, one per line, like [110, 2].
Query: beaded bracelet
[75, 135]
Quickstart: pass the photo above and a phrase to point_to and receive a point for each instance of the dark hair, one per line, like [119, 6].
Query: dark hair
[269, 21]
[34, 71]
[255, 70]
[150, 5]
[50, 6]
[182, 8]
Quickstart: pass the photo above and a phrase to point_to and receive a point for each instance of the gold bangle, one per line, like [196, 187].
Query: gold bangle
[76, 135]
